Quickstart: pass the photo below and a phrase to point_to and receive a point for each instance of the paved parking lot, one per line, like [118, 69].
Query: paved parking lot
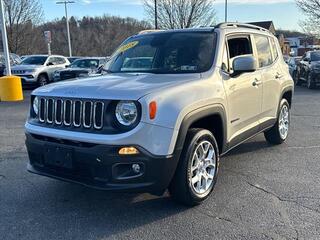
[263, 192]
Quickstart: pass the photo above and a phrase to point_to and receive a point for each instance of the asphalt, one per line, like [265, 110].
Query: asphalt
[263, 192]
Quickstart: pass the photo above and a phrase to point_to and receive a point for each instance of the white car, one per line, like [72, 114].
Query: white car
[163, 119]
[38, 70]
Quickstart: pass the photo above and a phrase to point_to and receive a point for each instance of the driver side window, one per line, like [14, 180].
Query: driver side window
[238, 46]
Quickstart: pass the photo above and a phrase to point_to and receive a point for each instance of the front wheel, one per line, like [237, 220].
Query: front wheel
[310, 82]
[280, 131]
[42, 80]
[296, 78]
[196, 174]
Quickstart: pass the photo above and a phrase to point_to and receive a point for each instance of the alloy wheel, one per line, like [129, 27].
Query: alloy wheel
[203, 167]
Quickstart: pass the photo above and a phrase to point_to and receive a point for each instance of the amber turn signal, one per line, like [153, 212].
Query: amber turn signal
[152, 110]
[128, 151]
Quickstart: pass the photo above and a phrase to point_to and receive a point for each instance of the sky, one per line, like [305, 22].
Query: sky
[284, 13]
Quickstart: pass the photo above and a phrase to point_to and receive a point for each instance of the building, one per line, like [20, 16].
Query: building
[267, 25]
[284, 44]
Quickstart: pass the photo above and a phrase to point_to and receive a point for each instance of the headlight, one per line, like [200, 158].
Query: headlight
[126, 113]
[35, 105]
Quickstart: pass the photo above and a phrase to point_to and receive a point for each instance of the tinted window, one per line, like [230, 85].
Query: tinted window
[264, 51]
[175, 52]
[315, 56]
[60, 60]
[34, 60]
[85, 63]
[239, 46]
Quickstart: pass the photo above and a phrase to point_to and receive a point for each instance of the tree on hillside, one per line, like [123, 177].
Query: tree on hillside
[174, 14]
[311, 8]
[21, 17]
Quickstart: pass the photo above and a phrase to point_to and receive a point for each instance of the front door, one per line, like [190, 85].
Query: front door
[244, 93]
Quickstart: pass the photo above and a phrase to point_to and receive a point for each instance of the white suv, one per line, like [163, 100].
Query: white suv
[38, 70]
[186, 98]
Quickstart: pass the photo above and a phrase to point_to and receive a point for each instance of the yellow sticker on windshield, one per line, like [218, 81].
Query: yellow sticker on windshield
[126, 47]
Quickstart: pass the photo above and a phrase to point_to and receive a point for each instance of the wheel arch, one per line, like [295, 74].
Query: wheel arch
[45, 74]
[212, 118]
[287, 94]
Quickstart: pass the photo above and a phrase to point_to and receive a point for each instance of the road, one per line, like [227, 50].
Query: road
[263, 192]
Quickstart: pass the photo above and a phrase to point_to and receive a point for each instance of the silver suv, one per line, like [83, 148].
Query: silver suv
[164, 122]
[38, 70]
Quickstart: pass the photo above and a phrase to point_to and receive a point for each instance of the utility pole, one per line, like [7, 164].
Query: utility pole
[155, 14]
[5, 40]
[226, 11]
[67, 21]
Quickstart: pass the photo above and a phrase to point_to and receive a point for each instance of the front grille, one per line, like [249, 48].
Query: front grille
[18, 71]
[72, 113]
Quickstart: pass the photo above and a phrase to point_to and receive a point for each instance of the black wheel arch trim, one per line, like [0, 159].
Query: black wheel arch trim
[284, 91]
[195, 115]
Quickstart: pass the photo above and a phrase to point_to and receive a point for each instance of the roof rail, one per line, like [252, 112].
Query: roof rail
[243, 25]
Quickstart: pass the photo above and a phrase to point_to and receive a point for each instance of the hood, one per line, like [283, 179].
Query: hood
[124, 86]
[25, 67]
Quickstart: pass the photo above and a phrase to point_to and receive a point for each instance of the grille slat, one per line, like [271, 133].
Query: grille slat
[87, 114]
[72, 113]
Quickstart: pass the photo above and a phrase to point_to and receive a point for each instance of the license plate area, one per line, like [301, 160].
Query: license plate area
[57, 156]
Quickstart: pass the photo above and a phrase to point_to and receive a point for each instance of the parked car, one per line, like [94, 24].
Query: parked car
[164, 125]
[38, 69]
[14, 60]
[72, 59]
[293, 65]
[308, 70]
[80, 68]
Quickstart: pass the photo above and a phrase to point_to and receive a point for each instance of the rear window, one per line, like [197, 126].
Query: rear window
[264, 51]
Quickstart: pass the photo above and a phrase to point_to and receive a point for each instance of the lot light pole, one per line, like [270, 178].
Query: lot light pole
[155, 14]
[226, 11]
[5, 40]
[67, 21]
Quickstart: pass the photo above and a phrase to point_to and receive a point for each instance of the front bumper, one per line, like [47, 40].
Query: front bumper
[28, 80]
[98, 166]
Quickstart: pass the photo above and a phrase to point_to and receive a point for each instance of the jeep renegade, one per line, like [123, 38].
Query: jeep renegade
[172, 102]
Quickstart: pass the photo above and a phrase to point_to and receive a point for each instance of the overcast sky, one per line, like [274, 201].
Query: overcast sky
[284, 13]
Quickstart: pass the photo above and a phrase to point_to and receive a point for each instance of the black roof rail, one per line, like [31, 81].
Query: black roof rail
[243, 25]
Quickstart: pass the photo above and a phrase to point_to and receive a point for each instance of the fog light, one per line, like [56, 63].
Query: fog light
[136, 168]
[128, 151]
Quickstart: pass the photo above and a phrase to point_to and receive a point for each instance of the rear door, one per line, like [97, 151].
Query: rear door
[271, 75]
[244, 92]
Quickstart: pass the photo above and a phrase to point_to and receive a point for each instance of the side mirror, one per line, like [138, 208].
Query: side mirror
[244, 64]
[50, 64]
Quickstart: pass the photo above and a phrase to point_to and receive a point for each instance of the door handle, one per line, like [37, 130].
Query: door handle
[256, 83]
[278, 76]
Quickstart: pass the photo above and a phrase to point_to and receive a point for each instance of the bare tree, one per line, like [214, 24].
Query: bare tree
[312, 10]
[174, 14]
[21, 17]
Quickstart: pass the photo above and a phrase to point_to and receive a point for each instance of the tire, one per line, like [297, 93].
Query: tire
[182, 188]
[42, 80]
[296, 78]
[279, 132]
[310, 83]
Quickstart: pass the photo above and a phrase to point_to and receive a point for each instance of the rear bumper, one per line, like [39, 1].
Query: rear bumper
[99, 166]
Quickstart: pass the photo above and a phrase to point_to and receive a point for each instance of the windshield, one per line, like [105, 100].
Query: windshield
[315, 56]
[85, 63]
[35, 60]
[177, 52]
